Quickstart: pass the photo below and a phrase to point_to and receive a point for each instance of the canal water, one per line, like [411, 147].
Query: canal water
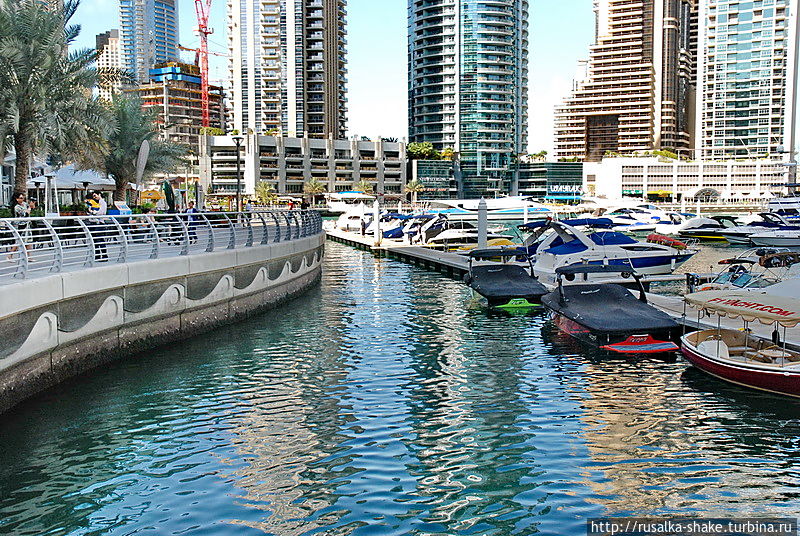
[384, 402]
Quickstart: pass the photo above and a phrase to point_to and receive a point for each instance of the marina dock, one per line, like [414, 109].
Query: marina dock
[455, 265]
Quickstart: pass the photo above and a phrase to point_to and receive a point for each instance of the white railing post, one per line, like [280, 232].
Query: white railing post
[156, 239]
[232, 241]
[123, 246]
[89, 241]
[210, 246]
[58, 251]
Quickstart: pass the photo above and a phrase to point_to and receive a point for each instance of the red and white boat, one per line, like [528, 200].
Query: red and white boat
[737, 356]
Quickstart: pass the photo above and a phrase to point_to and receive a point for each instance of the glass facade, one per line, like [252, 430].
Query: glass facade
[468, 84]
[148, 35]
[748, 78]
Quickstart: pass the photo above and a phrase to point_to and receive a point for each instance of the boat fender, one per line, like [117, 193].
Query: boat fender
[666, 241]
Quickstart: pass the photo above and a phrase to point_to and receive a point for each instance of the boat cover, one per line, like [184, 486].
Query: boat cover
[607, 308]
[505, 281]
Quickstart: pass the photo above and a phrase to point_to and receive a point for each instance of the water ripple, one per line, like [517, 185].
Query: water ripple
[383, 403]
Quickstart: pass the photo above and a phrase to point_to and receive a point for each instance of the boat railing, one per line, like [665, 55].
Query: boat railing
[35, 247]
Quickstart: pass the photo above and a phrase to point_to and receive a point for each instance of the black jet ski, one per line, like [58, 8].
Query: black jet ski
[505, 285]
[607, 314]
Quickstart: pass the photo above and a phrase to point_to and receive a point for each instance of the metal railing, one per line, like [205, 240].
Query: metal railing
[33, 247]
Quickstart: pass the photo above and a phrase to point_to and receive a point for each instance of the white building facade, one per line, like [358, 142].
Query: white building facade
[747, 78]
[109, 57]
[288, 66]
[670, 180]
[287, 164]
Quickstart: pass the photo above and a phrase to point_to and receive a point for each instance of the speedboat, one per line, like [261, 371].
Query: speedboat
[505, 285]
[702, 228]
[500, 208]
[464, 233]
[566, 245]
[769, 222]
[608, 314]
[782, 238]
[344, 202]
[737, 356]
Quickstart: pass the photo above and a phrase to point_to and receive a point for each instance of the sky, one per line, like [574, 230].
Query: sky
[560, 34]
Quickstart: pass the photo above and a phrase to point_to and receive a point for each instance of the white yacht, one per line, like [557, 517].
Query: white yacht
[568, 246]
[343, 202]
[500, 208]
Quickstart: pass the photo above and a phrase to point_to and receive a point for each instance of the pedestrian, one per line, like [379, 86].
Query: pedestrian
[96, 227]
[103, 205]
[192, 222]
[304, 205]
[291, 205]
[21, 210]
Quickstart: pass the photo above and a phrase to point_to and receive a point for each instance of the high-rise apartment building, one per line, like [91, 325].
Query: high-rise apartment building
[109, 60]
[638, 91]
[149, 35]
[288, 66]
[748, 77]
[468, 85]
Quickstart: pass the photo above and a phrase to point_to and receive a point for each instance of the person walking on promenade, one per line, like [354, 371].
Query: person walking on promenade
[96, 228]
[21, 210]
[192, 222]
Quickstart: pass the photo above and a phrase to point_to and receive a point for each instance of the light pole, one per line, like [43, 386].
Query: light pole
[238, 141]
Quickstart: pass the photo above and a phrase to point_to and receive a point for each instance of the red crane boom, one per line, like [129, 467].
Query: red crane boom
[203, 8]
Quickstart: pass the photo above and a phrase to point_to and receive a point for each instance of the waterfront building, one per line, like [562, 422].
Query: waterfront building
[286, 164]
[637, 91]
[108, 58]
[288, 67]
[468, 85]
[748, 78]
[149, 35]
[174, 93]
[560, 182]
[666, 179]
[437, 178]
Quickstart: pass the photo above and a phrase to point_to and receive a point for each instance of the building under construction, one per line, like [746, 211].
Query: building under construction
[175, 94]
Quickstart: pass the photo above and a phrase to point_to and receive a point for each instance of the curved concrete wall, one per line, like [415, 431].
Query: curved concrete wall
[55, 327]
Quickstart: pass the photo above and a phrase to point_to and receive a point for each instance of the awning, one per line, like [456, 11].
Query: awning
[748, 305]
[661, 193]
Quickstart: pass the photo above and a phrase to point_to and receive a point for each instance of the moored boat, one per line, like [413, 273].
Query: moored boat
[608, 315]
[505, 285]
[737, 356]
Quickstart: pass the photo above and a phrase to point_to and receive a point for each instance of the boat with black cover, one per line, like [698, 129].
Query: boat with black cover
[506, 284]
[608, 314]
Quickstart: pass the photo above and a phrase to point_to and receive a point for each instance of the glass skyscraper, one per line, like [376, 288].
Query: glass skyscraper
[747, 79]
[468, 85]
[148, 35]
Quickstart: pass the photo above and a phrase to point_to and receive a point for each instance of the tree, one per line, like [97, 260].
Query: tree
[314, 188]
[447, 153]
[46, 102]
[265, 193]
[365, 186]
[422, 151]
[133, 126]
[538, 157]
[414, 186]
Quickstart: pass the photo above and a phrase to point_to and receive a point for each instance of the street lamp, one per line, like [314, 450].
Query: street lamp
[238, 141]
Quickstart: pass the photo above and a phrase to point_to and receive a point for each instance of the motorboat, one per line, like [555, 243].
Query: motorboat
[355, 219]
[344, 202]
[607, 314]
[789, 238]
[673, 225]
[752, 269]
[787, 207]
[632, 219]
[768, 222]
[500, 208]
[737, 356]
[450, 238]
[702, 228]
[421, 228]
[567, 245]
[505, 285]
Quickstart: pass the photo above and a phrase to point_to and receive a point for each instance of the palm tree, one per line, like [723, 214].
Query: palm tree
[414, 186]
[46, 102]
[265, 193]
[365, 186]
[134, 126]
[314, 188]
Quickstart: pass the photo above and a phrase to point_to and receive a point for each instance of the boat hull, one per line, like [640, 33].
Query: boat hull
[781, 241]
[780, 381]
[605, 341]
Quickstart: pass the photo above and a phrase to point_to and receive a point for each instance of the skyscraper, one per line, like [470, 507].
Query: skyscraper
[149, 35]
[637, 92]
[468, 85]
[108, 58]
[288, 66]
[748, 77]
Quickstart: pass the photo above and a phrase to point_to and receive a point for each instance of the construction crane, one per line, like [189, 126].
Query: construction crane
[203, 8]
